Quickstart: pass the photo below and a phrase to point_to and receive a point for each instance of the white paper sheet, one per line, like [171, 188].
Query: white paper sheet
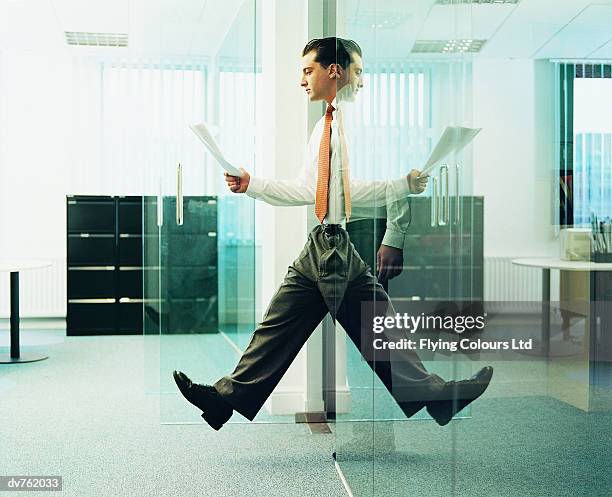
[454, 139]
[202, 132]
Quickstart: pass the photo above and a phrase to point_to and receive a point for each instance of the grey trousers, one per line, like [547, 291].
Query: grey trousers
[328, 276]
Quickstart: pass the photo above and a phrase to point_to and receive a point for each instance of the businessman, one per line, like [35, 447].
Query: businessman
[328, 275]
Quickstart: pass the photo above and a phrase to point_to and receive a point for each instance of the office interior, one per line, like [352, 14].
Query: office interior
[133, 258]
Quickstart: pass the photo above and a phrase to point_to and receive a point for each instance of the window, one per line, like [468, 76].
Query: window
[585, 139]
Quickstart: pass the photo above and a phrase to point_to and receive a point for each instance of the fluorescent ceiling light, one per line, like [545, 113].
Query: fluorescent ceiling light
[479, 2]
[448, 46]
[96, 39]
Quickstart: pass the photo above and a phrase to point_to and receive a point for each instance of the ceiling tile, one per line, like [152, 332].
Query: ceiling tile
[604, 52]
[530, 26]
[214, 25]
[464, 21]
[587, 32]
[20, 30]
[109, 16]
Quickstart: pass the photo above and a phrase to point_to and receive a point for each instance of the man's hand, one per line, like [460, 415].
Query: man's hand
[389, 262]
[416, 182]
[238, 184]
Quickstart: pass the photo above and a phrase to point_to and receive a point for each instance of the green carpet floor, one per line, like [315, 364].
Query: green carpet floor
[83, 414]
[104, 413]
[512, 447]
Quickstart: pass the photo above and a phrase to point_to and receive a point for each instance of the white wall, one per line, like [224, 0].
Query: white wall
[34, 130]
[514, 156]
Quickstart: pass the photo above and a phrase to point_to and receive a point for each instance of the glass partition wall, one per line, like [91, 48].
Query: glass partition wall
[415, 84]
[199, 305]
[538, 167]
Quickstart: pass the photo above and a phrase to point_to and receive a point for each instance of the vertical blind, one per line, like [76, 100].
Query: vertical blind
[391, 121]
[130, 121]
[402, 109]
[237, 107]
[584, 152]
[131, 128]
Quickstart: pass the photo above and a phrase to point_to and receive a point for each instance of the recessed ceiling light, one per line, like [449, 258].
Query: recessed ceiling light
[79, 38]
[448, 46]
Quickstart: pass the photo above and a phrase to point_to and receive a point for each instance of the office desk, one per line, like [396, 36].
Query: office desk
[600, 290]
[580, 376]
[14, 267]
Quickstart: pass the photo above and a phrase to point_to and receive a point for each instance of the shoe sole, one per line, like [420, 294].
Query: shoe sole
[445, 421]
[214, 424]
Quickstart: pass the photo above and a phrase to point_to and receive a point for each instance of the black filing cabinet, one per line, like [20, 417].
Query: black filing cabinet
[104, 264]
[429, 272]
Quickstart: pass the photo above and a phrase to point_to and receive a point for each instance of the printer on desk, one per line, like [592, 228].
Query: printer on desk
[576, 244]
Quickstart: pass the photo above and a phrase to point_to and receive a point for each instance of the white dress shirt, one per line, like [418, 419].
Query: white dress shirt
[367, 197]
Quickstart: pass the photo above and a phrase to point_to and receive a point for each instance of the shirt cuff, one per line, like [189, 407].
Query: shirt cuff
[256, 187]
[394, 239]
[401, 187]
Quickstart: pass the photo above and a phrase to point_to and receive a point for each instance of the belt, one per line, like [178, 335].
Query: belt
[332, 229]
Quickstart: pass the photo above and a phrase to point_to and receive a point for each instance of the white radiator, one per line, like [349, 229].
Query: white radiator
[510, 287]
[504, 281]
[42, 292]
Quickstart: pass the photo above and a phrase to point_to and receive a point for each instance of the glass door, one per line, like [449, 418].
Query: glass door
[205, 251]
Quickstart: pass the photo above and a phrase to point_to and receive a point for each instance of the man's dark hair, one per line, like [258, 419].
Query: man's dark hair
[332, 50]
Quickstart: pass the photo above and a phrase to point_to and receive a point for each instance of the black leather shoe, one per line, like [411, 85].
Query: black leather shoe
[456, 395]
[215, 411]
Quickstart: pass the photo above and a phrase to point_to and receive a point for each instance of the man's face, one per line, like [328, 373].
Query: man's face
[351, 80]
[355, 74]
[318, 81]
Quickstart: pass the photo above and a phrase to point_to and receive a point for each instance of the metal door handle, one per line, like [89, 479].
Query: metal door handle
[434, 202]
[457, 195]
[160, 205]
[179, 195]
[444, 209]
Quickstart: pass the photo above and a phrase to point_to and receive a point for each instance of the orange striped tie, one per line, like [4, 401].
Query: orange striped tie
[323, 168]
